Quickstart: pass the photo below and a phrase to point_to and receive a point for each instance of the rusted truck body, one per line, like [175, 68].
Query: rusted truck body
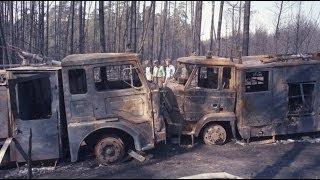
[215, 98]
[101, 100]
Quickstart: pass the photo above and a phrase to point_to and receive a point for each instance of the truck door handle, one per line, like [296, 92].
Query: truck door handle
[215, 106]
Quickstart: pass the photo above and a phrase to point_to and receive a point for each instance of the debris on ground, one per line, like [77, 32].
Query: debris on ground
[218, 175]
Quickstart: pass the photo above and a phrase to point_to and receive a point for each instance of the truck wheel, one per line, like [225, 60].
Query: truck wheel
[214, 134]
[109, 150]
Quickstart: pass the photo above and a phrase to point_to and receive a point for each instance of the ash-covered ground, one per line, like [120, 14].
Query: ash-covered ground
[290, 158]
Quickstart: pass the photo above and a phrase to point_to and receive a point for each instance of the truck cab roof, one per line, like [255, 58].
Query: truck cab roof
[259, 61]
[98, 58]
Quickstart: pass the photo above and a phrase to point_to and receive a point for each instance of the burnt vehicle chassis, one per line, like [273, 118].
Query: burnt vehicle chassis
[216, 99]
[101, 100]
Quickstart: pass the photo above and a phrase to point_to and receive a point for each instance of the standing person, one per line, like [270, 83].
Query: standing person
[170, 70]
[158, 73]
[148, 70]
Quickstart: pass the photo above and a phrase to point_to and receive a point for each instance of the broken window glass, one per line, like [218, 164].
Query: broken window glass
[77, 81]
[115, 77]
[208, 77]
[300, 98]
[226, 77]
[257, 81]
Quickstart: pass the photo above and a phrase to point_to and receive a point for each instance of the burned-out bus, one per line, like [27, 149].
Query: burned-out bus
[101, 100]
[215, 98]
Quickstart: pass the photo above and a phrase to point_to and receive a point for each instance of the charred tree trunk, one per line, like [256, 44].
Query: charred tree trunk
[153, 6]
[81, 29]
[246, 29]
[31, 25]
[102, 30]
[47, 32]
[219, 28]
[277, 27]
[3, 44]
[164, 15]
[212, 32]
[72, 28]
[41, 29]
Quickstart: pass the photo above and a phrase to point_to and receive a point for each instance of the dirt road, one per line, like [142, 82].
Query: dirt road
[278, 160]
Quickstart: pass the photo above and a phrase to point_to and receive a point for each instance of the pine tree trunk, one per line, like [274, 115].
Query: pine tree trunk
[246, 23]
[219, 28]
[212, 26]
[72, 28]
[163, 27]
[81, 29]
[101, 24]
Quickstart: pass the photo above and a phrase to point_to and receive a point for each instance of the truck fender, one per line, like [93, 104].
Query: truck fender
[216, 117]
[87, 131]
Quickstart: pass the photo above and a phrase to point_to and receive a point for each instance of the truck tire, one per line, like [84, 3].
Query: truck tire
[214, 134]
[109, 150]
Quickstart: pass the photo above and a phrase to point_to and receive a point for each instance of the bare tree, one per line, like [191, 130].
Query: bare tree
[164, 17]
[277, 27]
[81, 28]
[246, 29]
[101, 24]
[212, 32]
[297, 37]
[219, 28]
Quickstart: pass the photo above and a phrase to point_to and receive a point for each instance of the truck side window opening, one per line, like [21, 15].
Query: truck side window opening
[208, 77]
[183, 72]
[257, 81]
[226, 77]
[77, 81]
[34, 99]
[300, 98]
[116, 77]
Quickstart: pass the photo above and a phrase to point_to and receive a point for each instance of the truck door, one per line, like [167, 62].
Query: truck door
[34, 98]
[202, 93]
[257, 103]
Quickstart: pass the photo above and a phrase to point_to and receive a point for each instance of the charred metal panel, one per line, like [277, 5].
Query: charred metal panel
[200, 102]
[302, 73]
[81, 109]
[4, 121]
[45, 129]
[103, 106]
[279, 95]
[258, 106]
[227, 101]
[142, 133]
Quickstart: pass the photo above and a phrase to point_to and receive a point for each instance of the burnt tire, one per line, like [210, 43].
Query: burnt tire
[109, 150]
[214, 134]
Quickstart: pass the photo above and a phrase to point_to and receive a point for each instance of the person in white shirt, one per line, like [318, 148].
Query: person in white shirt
[170, 70]
[148, 70]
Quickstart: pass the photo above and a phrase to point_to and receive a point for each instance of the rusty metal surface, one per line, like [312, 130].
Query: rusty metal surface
[4, 119]
[262, 112]
[45, 138]
[97, 58]
[128, 110]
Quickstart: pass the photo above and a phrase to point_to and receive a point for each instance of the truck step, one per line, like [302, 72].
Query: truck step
[136, 155]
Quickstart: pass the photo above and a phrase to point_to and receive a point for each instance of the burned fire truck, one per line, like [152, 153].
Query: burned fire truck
[101, 100]
[216, 99]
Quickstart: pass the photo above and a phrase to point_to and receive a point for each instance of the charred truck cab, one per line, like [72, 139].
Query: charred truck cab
[109, 105]
[215, 98]
[101, 100]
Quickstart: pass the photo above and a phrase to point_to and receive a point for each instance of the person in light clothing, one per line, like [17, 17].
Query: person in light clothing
[158, 73]
[148, 70]
[170, 70]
